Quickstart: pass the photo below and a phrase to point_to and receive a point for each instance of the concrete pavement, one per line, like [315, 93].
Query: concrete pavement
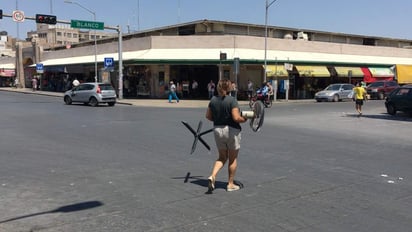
[184, 103]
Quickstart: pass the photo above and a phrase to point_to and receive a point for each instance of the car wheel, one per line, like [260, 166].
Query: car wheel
[318, 100]
[93, 102]
[335, 98]
[111, 103]
[390, 108]
[381, 96]
[67, 100]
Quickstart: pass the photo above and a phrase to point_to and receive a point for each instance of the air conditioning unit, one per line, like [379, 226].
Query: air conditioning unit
[302, 36]
[288, 36]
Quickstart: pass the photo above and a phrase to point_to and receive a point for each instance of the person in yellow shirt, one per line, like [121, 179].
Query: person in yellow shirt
[359, 94]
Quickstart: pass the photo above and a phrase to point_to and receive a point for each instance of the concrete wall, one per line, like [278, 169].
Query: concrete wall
[229, 41]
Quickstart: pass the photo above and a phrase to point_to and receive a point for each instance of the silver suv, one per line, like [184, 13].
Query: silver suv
[91, 93]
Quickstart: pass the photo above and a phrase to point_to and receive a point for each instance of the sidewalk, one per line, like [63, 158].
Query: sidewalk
[145, 102]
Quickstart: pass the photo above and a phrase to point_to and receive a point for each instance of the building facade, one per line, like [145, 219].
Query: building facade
[298, 62]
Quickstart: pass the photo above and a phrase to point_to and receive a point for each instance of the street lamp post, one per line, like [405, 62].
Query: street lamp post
[95, 40]
[266, 35]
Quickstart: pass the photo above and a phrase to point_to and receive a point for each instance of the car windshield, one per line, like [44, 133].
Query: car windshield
[106, 87]
[333, 87]
[376, 84]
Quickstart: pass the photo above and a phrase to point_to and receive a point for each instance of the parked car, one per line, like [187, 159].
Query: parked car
[399, 99]
[335, 92]
[91, 93]
[381, 89]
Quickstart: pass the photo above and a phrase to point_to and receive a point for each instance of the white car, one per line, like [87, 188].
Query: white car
[91, 93]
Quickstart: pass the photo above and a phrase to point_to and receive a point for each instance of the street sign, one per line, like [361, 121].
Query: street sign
[87, 24]
[39, 68]
[18, 16]
[108, 62]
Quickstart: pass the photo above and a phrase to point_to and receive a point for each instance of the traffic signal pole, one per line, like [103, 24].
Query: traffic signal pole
[120, 47]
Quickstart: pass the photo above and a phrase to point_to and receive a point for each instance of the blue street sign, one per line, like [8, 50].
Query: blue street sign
[108, 62]
[39, 67]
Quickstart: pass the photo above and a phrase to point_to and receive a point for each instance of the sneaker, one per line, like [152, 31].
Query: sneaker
[233, 188]
[211, 184]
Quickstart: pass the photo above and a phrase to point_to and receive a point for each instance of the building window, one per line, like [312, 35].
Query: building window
[69, 35]
[75, 35]
[59, 33]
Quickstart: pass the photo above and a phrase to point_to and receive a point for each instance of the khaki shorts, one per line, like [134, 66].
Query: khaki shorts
[227, 137]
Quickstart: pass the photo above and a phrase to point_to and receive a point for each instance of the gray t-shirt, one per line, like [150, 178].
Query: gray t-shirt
[221, 107]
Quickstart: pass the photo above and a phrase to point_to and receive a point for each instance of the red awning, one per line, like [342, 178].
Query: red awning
[367, 78]
[7, 72]
[377, 74]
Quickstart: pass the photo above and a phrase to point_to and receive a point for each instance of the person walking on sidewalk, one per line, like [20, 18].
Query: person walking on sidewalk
[359, 95]
[224, 112]
[211, 89]
[172, 92]
[34, 83]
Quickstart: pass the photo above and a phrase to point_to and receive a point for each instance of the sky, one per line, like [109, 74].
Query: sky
[380, 18]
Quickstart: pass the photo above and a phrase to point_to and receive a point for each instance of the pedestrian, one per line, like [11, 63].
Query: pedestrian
[270, 93]
[126, 86]
[359, 95]
[224, 112]
[172, 92]
[211, 89]
[249, 89]
[16, 82]
[233, 89]
[195, 85]
[34, 83]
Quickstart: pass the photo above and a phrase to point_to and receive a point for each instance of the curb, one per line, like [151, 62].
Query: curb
[153, 102]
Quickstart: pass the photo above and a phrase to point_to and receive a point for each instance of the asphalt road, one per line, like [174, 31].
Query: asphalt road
[313, 167]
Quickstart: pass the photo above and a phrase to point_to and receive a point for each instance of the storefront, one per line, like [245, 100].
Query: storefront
[7, 77]
[347, 74]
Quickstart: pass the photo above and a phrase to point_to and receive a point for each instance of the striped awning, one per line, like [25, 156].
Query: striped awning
[381, 72]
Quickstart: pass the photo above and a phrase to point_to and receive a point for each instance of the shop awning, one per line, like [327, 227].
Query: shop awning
[276, 71]
[404, 74]
[367, 78]
[8, 66]
[344, 71]
[312, 71]
[377, 74]
[382, 72]
[7, 72]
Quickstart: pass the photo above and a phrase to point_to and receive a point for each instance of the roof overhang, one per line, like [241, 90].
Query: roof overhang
[201, 55]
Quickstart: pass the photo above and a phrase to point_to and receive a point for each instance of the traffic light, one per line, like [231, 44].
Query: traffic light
[46, 19]
[1, 14]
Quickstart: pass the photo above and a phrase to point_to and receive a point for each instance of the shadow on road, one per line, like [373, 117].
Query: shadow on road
[63, 209]
[398, 117]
